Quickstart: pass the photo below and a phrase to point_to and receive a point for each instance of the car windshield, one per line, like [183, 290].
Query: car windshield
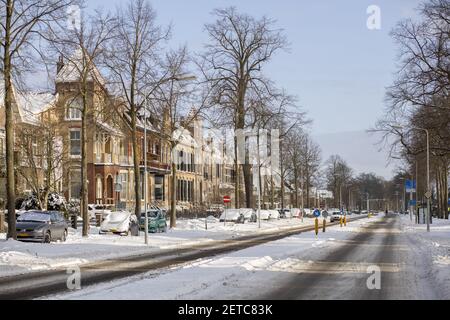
[34, 217]
[151, 214]
[118, 216]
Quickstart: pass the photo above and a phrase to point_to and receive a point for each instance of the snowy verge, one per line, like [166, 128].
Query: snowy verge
[18, 258]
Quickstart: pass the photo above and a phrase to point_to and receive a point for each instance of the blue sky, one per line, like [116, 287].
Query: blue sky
[336, 66]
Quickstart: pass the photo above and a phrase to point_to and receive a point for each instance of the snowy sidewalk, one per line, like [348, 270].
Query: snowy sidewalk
[18, 258]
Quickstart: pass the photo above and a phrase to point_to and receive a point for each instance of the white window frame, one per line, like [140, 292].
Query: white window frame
[71, 109]
[70, 143]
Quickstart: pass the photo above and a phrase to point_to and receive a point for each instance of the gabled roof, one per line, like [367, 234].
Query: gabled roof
[29, 105]
[73, 67]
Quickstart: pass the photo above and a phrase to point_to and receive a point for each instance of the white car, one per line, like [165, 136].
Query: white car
[296, 213]
[265, 214]
[308, 213]
[94, 209]
[247, 213]
[336, 216]
[274, 214]
[120, 222]
[232, 215]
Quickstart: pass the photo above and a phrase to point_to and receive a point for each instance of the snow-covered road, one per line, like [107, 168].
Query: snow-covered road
[333, 265]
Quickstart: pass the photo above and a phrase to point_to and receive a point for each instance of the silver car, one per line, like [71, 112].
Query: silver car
[42, 226]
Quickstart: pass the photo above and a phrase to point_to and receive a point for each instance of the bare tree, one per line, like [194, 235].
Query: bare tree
[338, 174]
[20, 25]
[135, 68]
[42, 157]
[81, 49]
[239, 48]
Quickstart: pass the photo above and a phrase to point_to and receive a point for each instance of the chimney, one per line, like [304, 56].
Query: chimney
[59, 64]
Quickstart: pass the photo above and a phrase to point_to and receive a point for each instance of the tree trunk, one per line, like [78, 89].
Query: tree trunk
[9, 125]
[136, 164]
[237, 193]
[84, 177]
[173, 211]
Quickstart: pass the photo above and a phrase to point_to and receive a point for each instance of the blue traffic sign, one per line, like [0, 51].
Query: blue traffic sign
[411, 186]
[412, 203]
[316, 213]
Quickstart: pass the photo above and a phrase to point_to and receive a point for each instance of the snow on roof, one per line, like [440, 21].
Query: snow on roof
[73, 67]
[184, 137]
[32, 104]
[110, 129]
[29, 104]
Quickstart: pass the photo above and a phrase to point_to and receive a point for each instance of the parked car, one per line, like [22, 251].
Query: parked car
[265, 214]
[94, 209]
[232, 215]
[42, 226]
[308, 213]
[296, 213]
[285, 213]
[336, 216]
[274, 214]
[156, 221]
[120, 222]
[247, 213]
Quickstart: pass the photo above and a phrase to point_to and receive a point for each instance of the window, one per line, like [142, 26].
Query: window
[159, 188]
[75, 143]
[75, 184]
[124, 181]
[73, 109]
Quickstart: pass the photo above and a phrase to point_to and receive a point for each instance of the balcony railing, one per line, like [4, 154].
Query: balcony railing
[103, 158]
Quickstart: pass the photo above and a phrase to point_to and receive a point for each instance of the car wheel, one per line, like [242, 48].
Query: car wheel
[64, 236]
[47, 237]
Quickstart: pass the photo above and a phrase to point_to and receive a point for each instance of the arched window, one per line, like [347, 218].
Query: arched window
[73, 108]
[99, 188]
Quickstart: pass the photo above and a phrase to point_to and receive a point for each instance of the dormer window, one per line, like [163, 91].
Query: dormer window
[73, 109]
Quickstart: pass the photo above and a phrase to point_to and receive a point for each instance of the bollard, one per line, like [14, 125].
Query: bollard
[341, 222]
[345, 221]
[2, 222]
[324, 225]
[74, 222]
[98, 219]
[317, 227]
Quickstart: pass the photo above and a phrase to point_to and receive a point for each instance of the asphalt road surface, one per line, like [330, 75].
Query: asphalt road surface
[343, 273]
[35, 285]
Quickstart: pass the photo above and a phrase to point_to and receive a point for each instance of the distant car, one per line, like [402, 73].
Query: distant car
[265, 214]
[296, 213]
[274, 215]
[94, 209]
[285, 213]
[308, 213]
[336, 216]
[120, 222]
[247, 213]
[232, 215]
[156, 221]
[42, 226]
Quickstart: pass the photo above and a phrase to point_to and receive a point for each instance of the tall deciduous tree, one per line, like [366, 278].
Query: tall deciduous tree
[239, 48]
[20, 24]
[135, 68]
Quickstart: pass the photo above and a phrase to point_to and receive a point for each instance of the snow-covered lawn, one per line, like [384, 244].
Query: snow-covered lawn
[434, 244]
[18, 258]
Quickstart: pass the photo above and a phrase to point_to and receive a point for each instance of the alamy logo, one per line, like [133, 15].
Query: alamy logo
[374, 19]
[374, 280]
[73, 18]
[74, 279]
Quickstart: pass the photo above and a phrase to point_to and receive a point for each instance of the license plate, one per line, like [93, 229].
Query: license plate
[113, 230]
[22, 235]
